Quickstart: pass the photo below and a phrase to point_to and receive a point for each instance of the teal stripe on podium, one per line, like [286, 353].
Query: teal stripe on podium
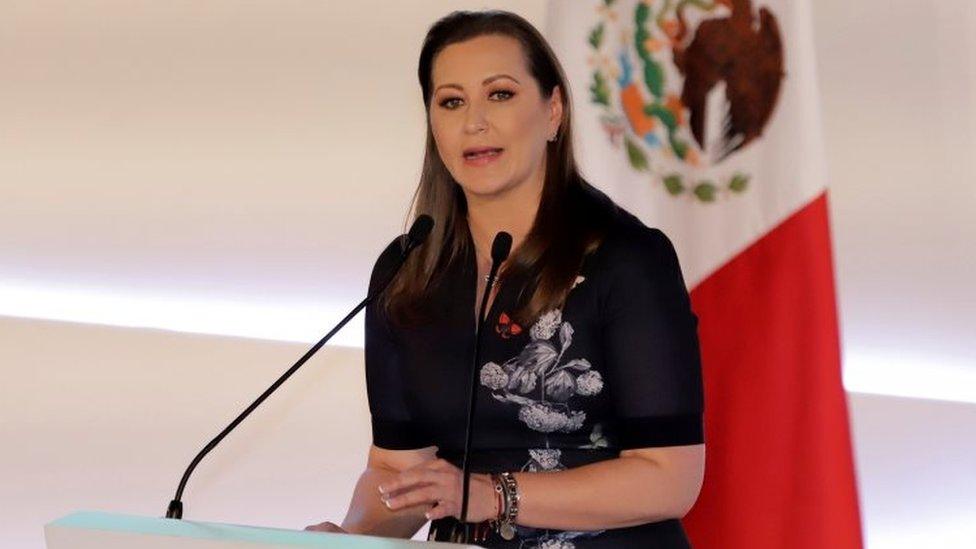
[96, 520]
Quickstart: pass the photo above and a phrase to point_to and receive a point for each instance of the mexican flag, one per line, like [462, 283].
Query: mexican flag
[701, 118]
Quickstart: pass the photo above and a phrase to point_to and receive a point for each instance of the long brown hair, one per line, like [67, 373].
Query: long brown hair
[567, 225]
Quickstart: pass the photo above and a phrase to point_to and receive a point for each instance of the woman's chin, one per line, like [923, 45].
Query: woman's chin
[481, 181]
[485, 188]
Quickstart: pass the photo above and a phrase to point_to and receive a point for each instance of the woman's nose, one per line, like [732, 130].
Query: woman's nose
[476, 121]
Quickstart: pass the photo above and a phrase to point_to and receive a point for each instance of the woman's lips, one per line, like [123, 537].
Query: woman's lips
[484, 158]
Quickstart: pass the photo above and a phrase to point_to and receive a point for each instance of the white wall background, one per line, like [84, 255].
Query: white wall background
[103, 418]
[898, 84]
[234, 167]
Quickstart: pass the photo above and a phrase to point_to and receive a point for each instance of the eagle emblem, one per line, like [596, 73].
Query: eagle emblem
[686, 84]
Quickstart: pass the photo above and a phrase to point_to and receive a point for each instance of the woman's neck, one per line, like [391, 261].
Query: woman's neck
[514, 212]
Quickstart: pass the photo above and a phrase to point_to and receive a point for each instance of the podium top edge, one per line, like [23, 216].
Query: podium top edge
[99, 520]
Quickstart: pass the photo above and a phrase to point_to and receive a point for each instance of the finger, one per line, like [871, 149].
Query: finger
[412, 478]
[440, 465]
[429, 465]
[428, 495]
[326, 527]
[323, 527]
[441, 510]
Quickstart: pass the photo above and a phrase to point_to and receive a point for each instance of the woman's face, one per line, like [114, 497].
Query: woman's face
[485, 98]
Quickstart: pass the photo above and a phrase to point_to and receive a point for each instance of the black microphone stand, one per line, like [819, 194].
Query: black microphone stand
[418, 233]
[500, 249]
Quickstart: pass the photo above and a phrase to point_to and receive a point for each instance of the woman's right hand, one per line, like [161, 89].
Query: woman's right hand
[326, 527]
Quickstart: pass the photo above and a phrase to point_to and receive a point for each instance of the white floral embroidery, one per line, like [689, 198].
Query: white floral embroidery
[590, 383]
[555, 540]
[539, 367]
[597, 439]
[542, 385]
[546, 419]
[493, 376]
[553, 543]
[546, 458]
[575, 423]
[547, 324]
[560, 386]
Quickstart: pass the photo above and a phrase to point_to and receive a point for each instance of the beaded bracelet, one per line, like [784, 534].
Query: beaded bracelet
[507, 487]
[507, 499]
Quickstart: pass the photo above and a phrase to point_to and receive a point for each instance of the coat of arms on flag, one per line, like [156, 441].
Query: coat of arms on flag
[685, 83]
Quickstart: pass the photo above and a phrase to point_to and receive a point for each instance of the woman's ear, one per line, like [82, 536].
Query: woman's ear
[555, 110]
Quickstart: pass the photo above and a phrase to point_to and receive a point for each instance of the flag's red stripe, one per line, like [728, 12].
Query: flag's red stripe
[779, 470]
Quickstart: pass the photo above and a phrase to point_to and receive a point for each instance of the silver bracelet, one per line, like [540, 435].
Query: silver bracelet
[506, 526]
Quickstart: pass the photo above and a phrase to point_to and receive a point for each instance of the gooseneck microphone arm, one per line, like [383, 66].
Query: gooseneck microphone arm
[500, 249]
[418, 233]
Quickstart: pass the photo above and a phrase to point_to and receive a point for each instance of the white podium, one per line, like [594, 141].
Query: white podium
[97, 530]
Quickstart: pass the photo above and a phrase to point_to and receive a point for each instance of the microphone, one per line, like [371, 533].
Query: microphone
[415, 237]
[500, 248]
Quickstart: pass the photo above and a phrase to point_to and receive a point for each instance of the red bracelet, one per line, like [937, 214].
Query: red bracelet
[496, 483]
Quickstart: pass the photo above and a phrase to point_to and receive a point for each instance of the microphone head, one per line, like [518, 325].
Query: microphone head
[420, 230]
[501, 247]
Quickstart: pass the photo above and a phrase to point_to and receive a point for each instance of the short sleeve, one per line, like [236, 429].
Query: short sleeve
[653, 362]
[392, 425]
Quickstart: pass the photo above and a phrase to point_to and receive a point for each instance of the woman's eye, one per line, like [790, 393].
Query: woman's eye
[450, 105]
[448, 101]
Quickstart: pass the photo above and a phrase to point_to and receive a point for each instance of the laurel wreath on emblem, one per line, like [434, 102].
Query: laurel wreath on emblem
[655, 118]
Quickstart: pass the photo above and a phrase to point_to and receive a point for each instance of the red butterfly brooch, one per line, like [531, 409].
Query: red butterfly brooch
[506, 327]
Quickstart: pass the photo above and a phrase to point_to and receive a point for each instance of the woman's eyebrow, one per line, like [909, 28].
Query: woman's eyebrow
[484, 82]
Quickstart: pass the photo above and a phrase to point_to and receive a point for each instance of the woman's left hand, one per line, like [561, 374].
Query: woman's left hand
[326, 527]
[437, 484]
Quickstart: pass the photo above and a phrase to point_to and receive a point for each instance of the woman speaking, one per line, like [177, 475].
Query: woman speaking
[589, 399]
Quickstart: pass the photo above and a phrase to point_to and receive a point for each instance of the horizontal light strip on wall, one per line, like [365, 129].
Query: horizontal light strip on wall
[304, 323]
[884, 372]
[897, 372]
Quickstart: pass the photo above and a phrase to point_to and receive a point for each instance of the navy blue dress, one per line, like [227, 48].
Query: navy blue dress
[617, 367]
